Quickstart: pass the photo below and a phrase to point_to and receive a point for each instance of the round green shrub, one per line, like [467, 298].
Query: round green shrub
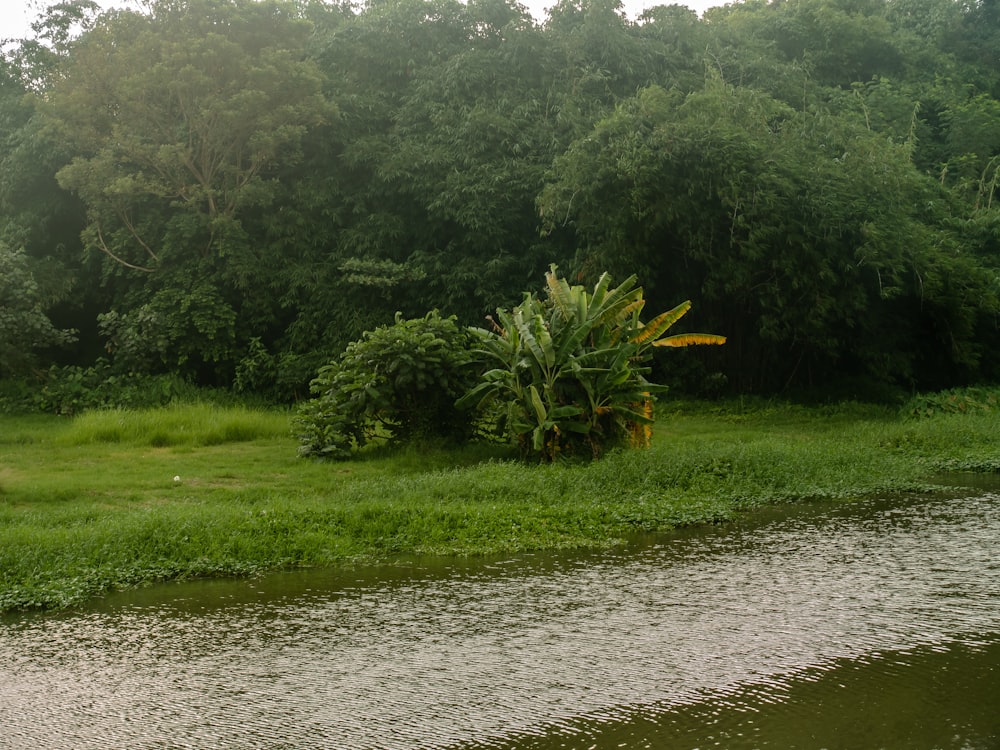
[398, 383]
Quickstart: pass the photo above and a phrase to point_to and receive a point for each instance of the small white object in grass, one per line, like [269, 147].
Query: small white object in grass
[177, 479]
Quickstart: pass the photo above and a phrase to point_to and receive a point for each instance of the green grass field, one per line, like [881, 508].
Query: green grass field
[116, 499]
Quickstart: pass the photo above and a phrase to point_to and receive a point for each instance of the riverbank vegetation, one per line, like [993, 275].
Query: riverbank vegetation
[116, 498]
[560, 375]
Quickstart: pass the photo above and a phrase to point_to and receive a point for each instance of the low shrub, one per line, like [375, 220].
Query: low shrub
[398, 383]
[71, 390]
[970, 400]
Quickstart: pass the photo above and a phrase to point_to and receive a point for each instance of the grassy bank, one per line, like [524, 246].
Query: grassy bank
[117, 499]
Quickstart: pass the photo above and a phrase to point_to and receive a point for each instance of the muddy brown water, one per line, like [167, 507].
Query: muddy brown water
[871, 624]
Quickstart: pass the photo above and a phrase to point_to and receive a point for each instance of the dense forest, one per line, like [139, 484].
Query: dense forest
[230, 191]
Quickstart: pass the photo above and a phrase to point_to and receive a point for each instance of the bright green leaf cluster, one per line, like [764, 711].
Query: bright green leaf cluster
[397, 383]
[567, 373]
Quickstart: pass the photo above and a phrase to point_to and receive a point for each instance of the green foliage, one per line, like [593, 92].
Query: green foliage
[981, 400]
[248, 186]
[277, 378]
[185, 109]
[24, 325]
[567, 374]
[434, 166]
[809, 237]
[182, 329]
[177, 120]
[70, 390]
[398, 383]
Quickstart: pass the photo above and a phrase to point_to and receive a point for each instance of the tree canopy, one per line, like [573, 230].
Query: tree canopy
[210, 188]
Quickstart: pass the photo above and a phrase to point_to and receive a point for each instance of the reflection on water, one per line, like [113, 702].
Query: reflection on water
[831, 624]
[942, 696]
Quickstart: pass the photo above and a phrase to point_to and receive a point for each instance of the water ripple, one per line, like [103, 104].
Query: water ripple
[536, 647]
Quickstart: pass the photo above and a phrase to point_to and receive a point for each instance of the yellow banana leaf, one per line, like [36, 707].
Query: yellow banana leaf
[659, 325]
[690, 339]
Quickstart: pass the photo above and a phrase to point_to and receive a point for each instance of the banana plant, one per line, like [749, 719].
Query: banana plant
[567, 373]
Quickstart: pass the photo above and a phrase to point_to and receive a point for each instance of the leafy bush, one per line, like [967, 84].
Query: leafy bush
[398, 383]
[281, 378]
[567, 374]
[954, 401]
[70, 390]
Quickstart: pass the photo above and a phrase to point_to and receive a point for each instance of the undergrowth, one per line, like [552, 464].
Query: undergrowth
[981, 400]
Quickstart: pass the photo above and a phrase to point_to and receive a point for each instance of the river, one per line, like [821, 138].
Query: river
[871, 624]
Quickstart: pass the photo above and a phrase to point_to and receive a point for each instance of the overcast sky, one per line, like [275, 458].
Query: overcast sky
[16, 15]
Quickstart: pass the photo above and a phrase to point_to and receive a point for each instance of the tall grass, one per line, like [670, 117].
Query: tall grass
[193, 424]
[116, 499]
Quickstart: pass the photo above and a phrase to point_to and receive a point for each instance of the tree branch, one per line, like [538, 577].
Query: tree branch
[134, 233]
[107, 251]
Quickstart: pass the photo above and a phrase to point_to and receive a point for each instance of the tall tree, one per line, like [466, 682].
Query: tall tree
[447, 125]
[37, 218]
[179, 117]
[808, 235]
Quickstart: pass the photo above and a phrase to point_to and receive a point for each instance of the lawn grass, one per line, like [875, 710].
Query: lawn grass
[116, 499]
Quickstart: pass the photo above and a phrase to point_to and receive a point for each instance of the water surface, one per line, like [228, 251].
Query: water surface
[868, 624]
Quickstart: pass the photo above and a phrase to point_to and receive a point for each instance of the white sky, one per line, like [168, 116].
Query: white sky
[16, 16]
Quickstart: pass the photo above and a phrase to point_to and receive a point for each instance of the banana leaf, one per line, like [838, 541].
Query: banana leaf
[690, 339]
